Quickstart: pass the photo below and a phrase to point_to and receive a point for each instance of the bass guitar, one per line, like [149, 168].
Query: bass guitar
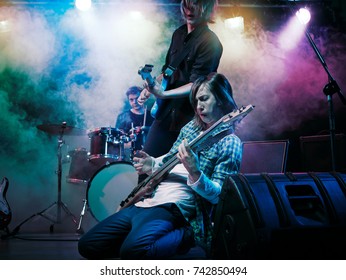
[148, 185]
[5, 211]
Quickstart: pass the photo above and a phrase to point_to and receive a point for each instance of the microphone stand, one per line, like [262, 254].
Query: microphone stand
[329, 89]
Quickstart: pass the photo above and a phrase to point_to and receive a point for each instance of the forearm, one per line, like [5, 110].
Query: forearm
[181, 91]
[206, 188]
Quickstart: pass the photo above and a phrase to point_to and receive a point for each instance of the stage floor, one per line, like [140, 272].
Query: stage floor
[55, 246]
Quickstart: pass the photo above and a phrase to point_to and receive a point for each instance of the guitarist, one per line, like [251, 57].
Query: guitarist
[175, 216]
[194, 51]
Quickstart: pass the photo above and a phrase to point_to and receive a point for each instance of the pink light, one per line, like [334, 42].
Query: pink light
[294, 30]
[303, 15]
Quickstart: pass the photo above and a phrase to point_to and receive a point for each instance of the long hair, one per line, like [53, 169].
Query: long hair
[205, 8]
[220, 87]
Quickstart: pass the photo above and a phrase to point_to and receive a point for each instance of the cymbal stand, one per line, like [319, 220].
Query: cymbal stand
[59, 204]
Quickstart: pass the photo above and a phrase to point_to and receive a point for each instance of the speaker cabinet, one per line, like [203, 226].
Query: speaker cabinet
[264, 156]
[281, 216]
[316, 153]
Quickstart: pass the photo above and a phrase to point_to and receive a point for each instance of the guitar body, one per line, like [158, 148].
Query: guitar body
[5, 211]
[155, 108]
[144, 189]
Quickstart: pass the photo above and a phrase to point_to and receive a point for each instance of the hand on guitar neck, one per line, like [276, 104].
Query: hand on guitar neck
[155, 86]
[152, 84]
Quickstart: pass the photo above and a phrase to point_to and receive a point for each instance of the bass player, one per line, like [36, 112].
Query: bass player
[174, 213]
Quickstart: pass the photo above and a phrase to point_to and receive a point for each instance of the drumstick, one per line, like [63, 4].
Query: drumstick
[145, 115]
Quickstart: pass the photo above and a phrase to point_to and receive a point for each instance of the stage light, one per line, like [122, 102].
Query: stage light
[294, 30]
[292, 34]
[235, 24]
[4, 26]
[136, 15]
[303, 15]
[83, 5]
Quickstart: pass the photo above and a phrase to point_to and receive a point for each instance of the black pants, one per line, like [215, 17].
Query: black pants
[160, 139]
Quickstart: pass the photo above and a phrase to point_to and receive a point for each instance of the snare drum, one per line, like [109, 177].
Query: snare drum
[107, 145]
[109, 187]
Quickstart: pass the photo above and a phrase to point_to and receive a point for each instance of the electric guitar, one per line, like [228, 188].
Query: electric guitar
[148, 185]
[145, 73]
[5, 211]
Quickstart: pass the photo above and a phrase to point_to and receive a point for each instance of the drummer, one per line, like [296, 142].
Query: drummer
[136, 120]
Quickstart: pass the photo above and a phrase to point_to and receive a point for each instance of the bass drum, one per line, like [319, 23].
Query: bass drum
[109, 187]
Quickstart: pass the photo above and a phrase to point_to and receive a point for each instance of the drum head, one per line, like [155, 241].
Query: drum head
[109, 187]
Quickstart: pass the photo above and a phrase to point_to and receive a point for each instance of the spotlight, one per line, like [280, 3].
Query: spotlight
[4, 26]
[294, 31]
[83, 5]
[136, 15]
[303, 15]
[235, 23]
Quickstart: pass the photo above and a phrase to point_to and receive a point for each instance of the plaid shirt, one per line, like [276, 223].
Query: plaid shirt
[216, 163]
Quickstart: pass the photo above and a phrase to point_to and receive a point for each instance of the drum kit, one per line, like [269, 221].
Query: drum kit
[108, 146]
[107, 169]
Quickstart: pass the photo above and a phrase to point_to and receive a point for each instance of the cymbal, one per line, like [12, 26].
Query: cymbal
[56, 129]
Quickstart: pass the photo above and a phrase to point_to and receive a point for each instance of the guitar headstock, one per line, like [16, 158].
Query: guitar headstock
[145, 72]
[238, 114]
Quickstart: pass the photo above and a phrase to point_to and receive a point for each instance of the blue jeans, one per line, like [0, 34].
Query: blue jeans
[136, 233]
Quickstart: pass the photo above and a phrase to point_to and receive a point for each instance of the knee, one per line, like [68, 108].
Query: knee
[89, 249]
[130, 252]
[83, 248]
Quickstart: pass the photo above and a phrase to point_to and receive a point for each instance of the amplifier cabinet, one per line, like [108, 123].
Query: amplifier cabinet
[281, 216]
